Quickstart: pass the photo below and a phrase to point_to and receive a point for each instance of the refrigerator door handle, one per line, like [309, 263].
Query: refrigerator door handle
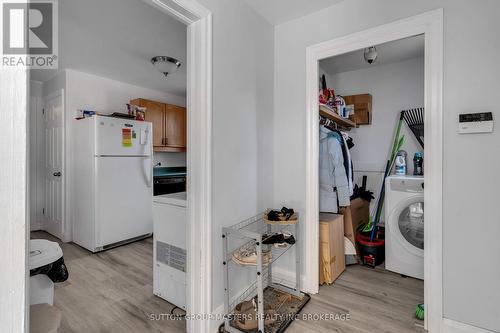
[149, 180]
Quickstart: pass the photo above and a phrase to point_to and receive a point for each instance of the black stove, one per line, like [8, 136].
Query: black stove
[169, 180]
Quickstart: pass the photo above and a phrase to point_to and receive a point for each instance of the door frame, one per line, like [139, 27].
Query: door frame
[14, 295]
[62, 233]
[431, 25]
[199, 157]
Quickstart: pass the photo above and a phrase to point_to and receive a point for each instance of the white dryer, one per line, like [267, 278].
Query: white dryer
[404, 225]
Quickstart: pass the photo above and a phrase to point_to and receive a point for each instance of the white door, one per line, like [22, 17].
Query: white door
[54, 164]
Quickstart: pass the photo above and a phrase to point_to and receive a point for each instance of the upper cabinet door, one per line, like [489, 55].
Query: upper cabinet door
[175, 126]
[155, 113]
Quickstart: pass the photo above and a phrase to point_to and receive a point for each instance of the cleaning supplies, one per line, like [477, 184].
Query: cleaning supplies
[418, 164]
[400, 168]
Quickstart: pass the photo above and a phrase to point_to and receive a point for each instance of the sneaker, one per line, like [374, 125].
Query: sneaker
[247, 255]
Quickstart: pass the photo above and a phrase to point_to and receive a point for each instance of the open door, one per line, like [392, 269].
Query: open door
[53, 211]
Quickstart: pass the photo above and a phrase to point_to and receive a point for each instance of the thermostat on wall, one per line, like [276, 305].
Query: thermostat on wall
[481, 122]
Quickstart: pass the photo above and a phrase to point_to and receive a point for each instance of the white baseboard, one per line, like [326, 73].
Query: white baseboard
[214, 324]
[452, 326]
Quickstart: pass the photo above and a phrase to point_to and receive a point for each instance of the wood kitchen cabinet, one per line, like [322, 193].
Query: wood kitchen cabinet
[169, 124]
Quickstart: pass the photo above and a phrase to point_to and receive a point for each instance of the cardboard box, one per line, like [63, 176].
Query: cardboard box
[354, 216]
[331, 247]
[362, 108]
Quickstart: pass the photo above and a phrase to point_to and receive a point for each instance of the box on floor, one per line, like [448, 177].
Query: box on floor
[354, 216]
[331, 248]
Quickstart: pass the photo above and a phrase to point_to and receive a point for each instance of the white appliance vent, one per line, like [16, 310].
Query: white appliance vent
[170, 255]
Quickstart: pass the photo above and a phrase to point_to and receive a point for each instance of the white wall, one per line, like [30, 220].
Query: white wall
[394, 87]
[242, 121]
[91, 92]
[470, 193]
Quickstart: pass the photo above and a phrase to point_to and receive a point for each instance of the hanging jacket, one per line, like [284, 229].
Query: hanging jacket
[333, 182]
[347, 158]
[350, 171]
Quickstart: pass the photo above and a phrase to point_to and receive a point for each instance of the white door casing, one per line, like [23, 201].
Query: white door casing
[199, 158]
[431, 25]
[53, 210]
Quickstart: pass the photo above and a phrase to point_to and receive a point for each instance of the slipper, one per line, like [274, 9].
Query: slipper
[248, 320]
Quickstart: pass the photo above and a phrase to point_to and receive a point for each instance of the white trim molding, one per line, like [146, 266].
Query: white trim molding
[452, 326]
[431, 25]
[14, 225]
[199, 167]
[199, 157]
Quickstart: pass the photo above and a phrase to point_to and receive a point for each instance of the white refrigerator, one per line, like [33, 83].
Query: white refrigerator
[112, 177]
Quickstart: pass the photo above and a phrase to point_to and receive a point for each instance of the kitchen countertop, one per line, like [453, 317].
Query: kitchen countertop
[177, 199]
[169, 171]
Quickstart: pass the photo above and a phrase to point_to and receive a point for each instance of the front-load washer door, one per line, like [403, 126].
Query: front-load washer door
[407, 224]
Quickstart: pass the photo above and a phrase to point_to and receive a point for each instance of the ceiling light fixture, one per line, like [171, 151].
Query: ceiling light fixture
[370, 54]
[166, 65]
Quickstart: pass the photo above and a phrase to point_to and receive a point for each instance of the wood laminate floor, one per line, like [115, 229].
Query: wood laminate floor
[112, 292]
[375, 299]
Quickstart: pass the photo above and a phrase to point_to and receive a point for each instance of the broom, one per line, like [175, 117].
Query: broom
[396, 145]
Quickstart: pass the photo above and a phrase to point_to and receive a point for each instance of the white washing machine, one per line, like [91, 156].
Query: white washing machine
[404, 225]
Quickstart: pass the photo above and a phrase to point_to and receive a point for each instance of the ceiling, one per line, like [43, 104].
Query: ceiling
[117, 39]
[280, 11]
[396, 51]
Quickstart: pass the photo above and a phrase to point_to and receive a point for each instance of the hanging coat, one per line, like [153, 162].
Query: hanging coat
[333, 182]
[350, 171]
[347, 158]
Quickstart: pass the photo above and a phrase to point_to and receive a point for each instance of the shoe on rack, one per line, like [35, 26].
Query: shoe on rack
[246, 317]
[274, 215]
[247, 255]
[285, 216]
[279, 240]
[287, 213]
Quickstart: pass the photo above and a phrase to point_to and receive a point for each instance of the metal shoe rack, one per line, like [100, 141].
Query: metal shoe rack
[247, 233]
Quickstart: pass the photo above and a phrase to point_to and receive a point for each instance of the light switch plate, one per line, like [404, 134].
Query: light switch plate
[469, 123]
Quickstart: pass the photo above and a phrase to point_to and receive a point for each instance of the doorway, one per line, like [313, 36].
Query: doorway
[199, 98]
[430, 25]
